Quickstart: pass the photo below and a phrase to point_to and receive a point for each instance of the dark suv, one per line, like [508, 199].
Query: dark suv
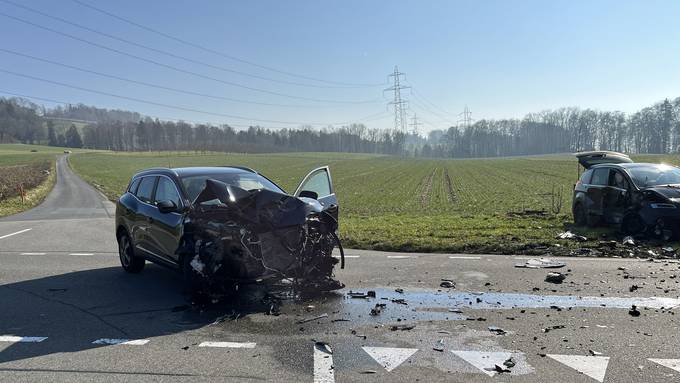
[639, 197]
[223, 223]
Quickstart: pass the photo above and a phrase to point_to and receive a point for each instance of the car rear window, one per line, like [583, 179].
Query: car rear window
[145, 189]
[585, 177]
[600, 177]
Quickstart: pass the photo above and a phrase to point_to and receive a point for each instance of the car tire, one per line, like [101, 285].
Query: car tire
[580, 216]
[126, 252]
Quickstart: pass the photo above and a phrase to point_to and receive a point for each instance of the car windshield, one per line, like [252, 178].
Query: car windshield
[655, 175]
[248, 181]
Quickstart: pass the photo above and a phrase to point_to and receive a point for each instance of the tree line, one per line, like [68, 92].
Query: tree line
[654, 129]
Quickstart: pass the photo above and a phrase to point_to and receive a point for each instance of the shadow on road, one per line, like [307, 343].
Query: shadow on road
[77, 308]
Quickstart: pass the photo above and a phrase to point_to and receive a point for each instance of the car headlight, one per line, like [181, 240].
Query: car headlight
[675, 200]
[662, 205]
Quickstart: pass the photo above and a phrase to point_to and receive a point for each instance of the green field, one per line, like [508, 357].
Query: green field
[389, 203]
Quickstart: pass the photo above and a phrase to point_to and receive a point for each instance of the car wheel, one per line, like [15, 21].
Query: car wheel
[130, 262]
[632, 224]
[580, 217]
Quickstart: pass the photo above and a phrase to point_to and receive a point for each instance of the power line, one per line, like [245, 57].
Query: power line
[166, 53]
[157, 86]
[203, 48]
[425, 103]
[182, 108]
[101, 46]
[399, 104]
[53, 101]
[423, 108]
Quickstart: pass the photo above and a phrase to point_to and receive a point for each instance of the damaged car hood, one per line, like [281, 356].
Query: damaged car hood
[238, 234]
[664, 191]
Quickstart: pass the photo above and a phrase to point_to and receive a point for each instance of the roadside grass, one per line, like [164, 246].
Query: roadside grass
[33, 197]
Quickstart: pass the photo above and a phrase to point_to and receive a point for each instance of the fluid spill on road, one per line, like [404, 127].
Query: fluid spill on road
[437, 305]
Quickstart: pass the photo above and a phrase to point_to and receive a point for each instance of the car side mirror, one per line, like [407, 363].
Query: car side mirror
[309, 194]
[166, 206]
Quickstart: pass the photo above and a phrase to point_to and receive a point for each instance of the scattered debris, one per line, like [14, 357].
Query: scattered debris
[595, 353]
[555, 327]
[570, 235]
[447, 283]
[403, 327]
[633, 288]
[543, 263]
[370, 294]
[628, 241]
[399, 290]
[509, 363]
[313, 318]
[322, 346]
[439, 346]
[497, 330]
[353, 294]
[369, 372]
[555, 277]
[400, 301]
[377, 309]
[634, 311]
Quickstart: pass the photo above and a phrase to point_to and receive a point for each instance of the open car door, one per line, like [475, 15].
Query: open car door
[319, 186]
[588, 159]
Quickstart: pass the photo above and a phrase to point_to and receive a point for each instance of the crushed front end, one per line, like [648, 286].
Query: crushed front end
[236, 236]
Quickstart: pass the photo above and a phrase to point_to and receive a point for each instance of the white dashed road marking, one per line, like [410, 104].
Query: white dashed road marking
[323, 365]
[18, 232]
[484, 361]
[81, 254]
[32, 253]
[593, 366]
[228, 344]
[398, 256]
[24, 339]
[390, 357]
[133, 342]
[673, 364]
[460, 257]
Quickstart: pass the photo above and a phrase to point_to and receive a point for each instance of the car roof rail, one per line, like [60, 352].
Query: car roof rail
[239, 167]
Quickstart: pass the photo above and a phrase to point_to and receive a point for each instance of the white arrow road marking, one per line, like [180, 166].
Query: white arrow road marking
[485, 361]
[390, 357]
[323, 366]
[673, 364]
[129, 342]
[18, 232]
[32, 254]
[593, 366]
[228, 344]
[26, 339]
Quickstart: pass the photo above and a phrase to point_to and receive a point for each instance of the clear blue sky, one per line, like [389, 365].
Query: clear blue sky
[501, 58]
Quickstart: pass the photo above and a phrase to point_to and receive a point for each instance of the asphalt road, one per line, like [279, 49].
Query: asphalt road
[64, 299]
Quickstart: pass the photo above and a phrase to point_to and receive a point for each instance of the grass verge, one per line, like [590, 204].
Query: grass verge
[33, 197]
